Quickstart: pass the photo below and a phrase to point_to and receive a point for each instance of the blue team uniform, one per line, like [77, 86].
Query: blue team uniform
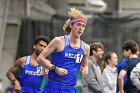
[31, 77]
[69, 59]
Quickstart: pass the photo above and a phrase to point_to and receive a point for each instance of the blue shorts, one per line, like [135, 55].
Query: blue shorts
[59, 89]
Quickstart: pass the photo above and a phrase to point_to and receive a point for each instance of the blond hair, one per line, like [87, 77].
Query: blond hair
[73, 13]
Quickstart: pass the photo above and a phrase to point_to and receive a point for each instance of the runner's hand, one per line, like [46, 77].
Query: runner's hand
[84, 71]
[62, 72]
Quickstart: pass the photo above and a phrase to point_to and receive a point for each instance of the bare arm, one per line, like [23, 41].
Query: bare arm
[54, 45]
[84, 68]
[41, 59]
[10, 74]
[121, 80]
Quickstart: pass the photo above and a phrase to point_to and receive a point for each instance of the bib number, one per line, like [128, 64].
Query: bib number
[79, 58]
[39, 71]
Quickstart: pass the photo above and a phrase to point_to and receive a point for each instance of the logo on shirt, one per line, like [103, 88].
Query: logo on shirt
[35, 73]
[78, 57]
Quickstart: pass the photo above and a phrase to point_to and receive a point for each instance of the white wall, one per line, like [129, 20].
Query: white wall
[8, 51]
[128, 7]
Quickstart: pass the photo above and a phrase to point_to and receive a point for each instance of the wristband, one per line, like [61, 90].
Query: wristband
[56, 69]
[53, 68]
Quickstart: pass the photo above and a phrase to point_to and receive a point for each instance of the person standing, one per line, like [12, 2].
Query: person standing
[69, 52]
[93, 82]
[109, 75]
[31, 73]
[130, 51]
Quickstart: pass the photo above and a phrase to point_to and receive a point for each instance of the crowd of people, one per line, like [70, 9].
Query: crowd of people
[69, 55]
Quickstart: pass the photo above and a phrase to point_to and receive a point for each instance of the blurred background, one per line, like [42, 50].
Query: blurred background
[109, 21]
